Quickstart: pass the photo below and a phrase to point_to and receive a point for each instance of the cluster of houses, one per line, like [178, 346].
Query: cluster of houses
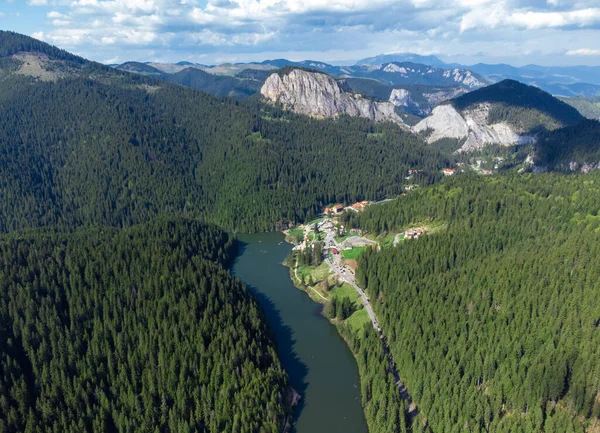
[339, 208]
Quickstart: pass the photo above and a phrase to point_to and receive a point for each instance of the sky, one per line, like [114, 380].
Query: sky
[518, 32]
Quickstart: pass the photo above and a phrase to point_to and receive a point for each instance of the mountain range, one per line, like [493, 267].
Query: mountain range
[408, 68]
[118, 311]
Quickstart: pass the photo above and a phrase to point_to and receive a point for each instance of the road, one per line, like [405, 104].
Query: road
[348, 277]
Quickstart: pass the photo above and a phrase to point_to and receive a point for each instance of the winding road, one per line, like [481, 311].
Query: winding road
[347, 277]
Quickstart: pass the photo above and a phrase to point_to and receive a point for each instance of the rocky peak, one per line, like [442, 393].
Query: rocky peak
[320, 95]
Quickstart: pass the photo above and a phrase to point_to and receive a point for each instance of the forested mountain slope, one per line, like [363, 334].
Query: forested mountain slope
[573, 148]
[217, 85]
[99, 146]
[494, 320]
[524, 107]
[505, 113]
[133, 331]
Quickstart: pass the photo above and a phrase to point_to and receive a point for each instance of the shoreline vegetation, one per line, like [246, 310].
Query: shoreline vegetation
[384, 410]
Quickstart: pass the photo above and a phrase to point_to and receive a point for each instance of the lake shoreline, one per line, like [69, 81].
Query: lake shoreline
[321, 367]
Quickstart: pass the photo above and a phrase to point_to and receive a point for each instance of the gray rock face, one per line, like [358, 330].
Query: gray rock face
[471, 124]
[321, 96]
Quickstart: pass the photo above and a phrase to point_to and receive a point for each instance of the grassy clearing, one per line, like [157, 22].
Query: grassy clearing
[318, 273]
[340, 239]
[296, 233]
[353, 253]
[358, 319]
[345, 291]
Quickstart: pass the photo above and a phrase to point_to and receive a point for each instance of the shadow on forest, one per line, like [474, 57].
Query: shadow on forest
[283, 336]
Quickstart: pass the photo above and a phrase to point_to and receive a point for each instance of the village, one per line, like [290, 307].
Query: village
[324, 261]
[333, 250]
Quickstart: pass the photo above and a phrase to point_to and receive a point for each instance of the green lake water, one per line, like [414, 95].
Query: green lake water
[320, 365]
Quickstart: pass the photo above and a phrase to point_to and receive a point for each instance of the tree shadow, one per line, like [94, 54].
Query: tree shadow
[282, 334]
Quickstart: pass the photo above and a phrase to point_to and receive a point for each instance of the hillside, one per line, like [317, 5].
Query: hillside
[134, 330]
[494, 319]
[217, 85]
[505, 113]
[587, 106]
[573, 148]
[141, 68]
[526, 108]
[117, 149]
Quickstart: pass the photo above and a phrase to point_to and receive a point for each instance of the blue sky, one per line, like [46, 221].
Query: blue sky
[549, 32]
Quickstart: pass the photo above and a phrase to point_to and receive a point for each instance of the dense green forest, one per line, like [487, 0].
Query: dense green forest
[217, 85]
[119, 149]
[494, 321]
[385, 410]
[579, 144]
[133, 330]
[527, 108]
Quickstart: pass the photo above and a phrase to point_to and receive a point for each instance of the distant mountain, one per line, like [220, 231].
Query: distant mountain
[141, 68]
[415, 99]
[505, 113]
[564, 81]
[217, 85]
[588, 106]
[402, 58]
[395, 73]
[411, 73]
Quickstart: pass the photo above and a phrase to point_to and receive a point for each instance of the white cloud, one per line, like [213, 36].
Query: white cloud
[55, 15]
[237, 28]
[583, 52]
[37, 2]
[536, 20]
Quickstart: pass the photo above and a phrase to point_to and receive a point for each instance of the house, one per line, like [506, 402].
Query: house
[335, 209]
[412, 233]
[414, 171]
[335, 251]
[449, 171]
[361, 205]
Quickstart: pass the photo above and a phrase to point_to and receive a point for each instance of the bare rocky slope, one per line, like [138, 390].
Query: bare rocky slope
[506, 113]
[320, 95]
[471, 125]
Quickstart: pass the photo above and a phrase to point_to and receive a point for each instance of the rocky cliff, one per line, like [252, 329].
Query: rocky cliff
[471, 125]
[320, 95]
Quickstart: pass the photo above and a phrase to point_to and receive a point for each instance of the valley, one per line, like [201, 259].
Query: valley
[444, 222]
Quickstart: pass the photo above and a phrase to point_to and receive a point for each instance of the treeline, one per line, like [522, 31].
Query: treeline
[117, 149]
[133, 331]
[494, 321]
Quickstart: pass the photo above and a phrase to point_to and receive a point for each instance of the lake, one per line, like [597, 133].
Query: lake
[320, 365]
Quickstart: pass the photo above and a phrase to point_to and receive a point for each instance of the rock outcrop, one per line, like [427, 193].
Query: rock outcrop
[471, 125]
[320, 95]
